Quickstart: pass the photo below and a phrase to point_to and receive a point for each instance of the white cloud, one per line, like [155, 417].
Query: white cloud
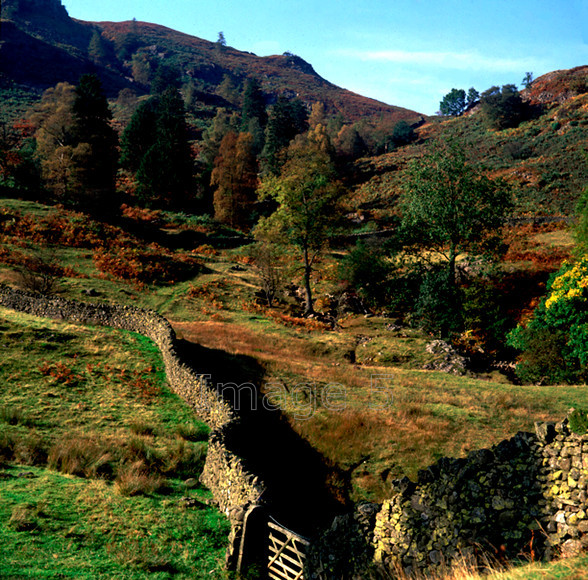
[447, 60]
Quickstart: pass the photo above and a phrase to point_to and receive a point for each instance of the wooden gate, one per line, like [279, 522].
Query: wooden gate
[287, 553]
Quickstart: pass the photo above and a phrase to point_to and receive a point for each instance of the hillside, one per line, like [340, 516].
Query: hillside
[543, 158]
[365, 389]
[41, 46]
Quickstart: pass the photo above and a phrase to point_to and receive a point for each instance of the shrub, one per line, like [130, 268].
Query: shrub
[268, 262]
[517, 150]
[60, 373]
[366, 270]
[578, 421]
[554, 343]
[145, 265]
[545, 358]
[40, 272]
[439, 306]
[503, 108]
[485, 313]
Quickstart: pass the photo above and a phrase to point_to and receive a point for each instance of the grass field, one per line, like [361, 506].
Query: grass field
[96, 455]
[358, 394]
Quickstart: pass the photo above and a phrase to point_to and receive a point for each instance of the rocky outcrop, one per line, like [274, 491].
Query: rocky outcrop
[447, 359]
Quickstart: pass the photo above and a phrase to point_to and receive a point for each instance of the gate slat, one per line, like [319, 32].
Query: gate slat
[297, 562]
[286, 555]
[288, 572]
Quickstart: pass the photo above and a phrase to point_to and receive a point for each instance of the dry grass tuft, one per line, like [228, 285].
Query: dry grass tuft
[82, 456]
[24, 518]
[136, 479]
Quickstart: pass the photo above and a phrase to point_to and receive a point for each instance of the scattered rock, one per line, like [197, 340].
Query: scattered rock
[192, 502]
[447, 359]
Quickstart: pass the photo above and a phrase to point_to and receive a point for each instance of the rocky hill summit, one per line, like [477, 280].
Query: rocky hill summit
[558, 86]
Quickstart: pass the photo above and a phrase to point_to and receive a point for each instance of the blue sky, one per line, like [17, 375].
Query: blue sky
[402, 52]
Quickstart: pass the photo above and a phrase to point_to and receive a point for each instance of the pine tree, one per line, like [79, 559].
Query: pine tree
[139, 135]
[287, 119]
[164, 171]
[97, 160]
[253, 105]
[97, 50]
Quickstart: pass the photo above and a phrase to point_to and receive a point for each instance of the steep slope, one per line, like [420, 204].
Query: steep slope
[558, 86]
[544, 158]
[41, 45]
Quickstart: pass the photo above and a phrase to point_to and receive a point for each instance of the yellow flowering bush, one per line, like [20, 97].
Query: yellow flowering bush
[569, 285]
[554, 343]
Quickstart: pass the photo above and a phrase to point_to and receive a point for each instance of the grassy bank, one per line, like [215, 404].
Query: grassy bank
[98, 459]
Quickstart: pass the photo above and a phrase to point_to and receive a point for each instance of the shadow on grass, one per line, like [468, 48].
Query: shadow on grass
[304, 490]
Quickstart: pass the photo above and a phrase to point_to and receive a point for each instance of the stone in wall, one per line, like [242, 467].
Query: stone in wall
[232, 486]
[565, 479]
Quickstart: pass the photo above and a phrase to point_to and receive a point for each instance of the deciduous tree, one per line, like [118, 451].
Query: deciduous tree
[450, 207]
[235, 178]
[54, 119]
[307, 195]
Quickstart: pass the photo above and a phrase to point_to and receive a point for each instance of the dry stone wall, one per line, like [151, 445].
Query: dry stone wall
[565, 483]
[233, 487]
[525, 497]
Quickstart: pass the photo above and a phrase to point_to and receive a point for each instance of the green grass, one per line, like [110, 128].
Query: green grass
[571, 569]
[55, 525]
[94, 455]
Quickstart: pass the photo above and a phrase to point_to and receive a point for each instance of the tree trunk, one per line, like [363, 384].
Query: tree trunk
[309, 309]
[451, 266]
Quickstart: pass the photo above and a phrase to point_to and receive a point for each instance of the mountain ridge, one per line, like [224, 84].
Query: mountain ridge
[42, 45]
